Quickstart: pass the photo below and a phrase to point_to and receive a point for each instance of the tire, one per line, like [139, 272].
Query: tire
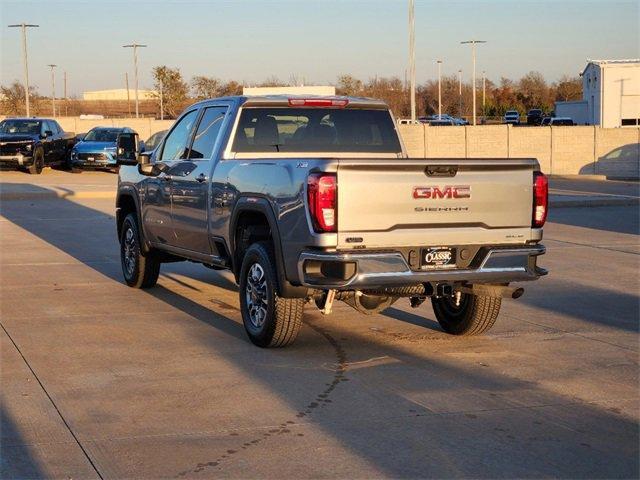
[38, 162]
[139, 271]
[475, 315]
[269, 320]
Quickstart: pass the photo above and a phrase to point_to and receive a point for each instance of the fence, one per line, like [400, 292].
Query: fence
[584, 150]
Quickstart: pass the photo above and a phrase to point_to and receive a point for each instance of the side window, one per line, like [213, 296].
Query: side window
[207, 133]
[44, 126]
[57, 127]
[176, 144]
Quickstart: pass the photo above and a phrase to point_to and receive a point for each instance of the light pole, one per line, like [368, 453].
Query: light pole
[484, 96]
[439, 89]
[24, 27]
[161, 100]
[135, 47]
[66, 103]
[126, 82]
[460, 92]
[412, 59]
[473, 80]
[53, 88]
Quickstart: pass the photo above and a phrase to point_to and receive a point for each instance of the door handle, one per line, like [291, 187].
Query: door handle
[201, 178]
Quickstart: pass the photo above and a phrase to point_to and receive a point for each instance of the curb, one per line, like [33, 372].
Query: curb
[52, 195]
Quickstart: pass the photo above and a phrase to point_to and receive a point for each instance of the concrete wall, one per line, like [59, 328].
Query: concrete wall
[531, 142]
[144, 126]
[449, 142]
[572, 150]
[586, 150]
[617, 152]
[487, 141]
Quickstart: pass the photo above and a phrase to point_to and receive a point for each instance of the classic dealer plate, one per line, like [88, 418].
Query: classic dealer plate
[438, 257]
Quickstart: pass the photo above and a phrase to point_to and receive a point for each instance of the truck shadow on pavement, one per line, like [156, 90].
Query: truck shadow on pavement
[613, 219]
[434, 417]
[17, 459]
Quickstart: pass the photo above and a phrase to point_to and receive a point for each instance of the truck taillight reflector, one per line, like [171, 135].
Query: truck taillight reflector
[540, 199]
[322, 196]
[318, 102]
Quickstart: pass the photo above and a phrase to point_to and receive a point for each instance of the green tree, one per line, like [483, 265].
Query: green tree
[175, 89]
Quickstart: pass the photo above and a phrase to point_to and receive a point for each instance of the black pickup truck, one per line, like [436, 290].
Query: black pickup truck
[33, 143]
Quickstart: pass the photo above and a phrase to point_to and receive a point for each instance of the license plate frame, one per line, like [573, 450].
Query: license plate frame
[436, 258]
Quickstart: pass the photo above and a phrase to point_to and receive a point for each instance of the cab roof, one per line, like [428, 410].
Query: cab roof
[287, 100]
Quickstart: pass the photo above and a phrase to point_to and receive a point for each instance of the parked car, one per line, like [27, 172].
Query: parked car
[97, 149]
[511, 117]
[250, 184]
[442, 122]
[546, 121]
[154, 140]
[534, 116]
[33, 143]
[445, 117]
[564, 121]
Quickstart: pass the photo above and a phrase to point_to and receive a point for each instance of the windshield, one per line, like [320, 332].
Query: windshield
[315, 130]
[102, 135]
[31, 127]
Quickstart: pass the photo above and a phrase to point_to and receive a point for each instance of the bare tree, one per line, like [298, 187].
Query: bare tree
[568, 88]
[349, 85]
[174, 88]
[12, 100]
[206, 87]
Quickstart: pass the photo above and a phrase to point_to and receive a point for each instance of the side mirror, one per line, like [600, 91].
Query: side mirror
[127, 149]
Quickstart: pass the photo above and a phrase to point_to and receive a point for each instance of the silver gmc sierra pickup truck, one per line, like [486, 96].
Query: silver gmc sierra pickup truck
[315, 200]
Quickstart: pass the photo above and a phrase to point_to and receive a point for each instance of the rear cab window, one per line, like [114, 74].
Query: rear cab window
[309, 129]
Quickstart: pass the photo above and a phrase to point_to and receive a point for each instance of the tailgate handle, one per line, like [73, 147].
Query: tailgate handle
[441, 170]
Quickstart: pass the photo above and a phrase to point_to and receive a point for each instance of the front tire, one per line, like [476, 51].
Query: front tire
[474, 315]
[269, 320]
[38, 162]
[139, 271]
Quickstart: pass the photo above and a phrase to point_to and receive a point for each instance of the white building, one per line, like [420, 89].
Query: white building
[610, 95]
[119, 94]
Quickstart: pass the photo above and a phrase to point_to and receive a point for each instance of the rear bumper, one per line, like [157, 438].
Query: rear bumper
[16, 160]
[374, 270]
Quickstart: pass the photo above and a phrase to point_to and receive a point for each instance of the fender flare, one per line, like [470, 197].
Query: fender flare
[260, 204]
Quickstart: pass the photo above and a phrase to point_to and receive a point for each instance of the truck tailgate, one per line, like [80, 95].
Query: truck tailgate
[413, 202]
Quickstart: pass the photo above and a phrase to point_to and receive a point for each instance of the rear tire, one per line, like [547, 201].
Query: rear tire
[38, 162]
[269, 320]
[139, 271]
[475, 315]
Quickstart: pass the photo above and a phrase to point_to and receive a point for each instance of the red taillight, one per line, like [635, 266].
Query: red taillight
[540, 199]
[322, 195]
[318, 102]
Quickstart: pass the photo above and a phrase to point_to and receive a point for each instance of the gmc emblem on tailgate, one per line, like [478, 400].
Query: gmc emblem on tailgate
[448, 191]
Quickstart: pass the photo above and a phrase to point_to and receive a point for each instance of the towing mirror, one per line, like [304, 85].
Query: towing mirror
[127, 149]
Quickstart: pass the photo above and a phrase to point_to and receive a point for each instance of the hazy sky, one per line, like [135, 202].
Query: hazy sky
[250, 40]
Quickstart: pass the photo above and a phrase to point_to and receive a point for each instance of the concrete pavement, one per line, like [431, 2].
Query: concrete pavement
[99, 380]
